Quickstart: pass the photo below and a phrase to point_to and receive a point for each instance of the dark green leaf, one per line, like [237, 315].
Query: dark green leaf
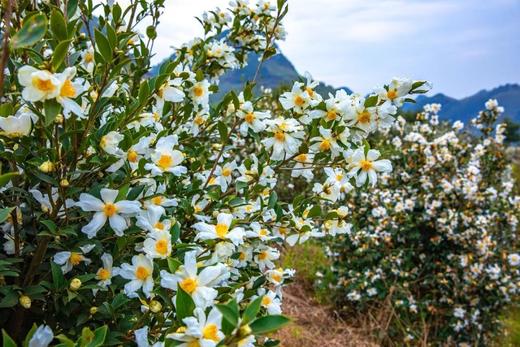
[184, 304]
[103, 46]
[32, 31]
[267, 324]
[60, 53]
[7, 341]
[252, 310]
[58, 25]
[5, 178]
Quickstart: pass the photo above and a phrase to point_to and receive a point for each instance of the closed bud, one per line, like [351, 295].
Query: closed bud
[75, 284]
[25, 301]
[47, 166]
[155, 306]
[64, 183]
[93, 310]
[58, 119]
[245, 330]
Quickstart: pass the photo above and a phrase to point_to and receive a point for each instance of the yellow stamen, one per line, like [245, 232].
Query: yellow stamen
[299, 101]
[141, 273]
[161, 246]
[132, 156]
[250, 117]
[43, 85]
[109, 209]
[103, 274]
[165, 161]
[279, 136]
[189, 285]
[221, 230]
[364, 117]
[67, 89]
[324, 145]
[198, 91]
[210, 332]
[75, 258]
[365, 165]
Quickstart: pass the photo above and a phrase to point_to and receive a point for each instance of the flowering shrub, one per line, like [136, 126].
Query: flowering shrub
[132, 207]
[435, 244]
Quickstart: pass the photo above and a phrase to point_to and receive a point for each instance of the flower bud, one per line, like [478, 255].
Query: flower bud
[47, 166]
[75, 284]
[64, 183]
[155, 306]
[245, 330]
[25, 301]
[58, 119]
[93, 310]
[94, 95]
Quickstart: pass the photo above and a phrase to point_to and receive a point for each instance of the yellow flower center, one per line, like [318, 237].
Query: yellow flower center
[103, 274]
[283, 230]
[75, 258]
[43, 85]
[302, 158]
[309, 91]
[364, 117]
[263, 232]
[365, 165]
[299, 101]
[331, 115]
[161, 246]
[198, 91]
[198, 120]
[194, 343]
[242, 256]
[132, 156]
[250, 117]
[141, 273]
[67, 89]
[266, 300]
[279, 136]
[157, 200]
[276, 277]
[324, 145]
[262, 255]
[109, 209]
[391, 94]
[226, 172]
[89, 57]
[159, 226]
[221, 230]
[339, 177]
[189, 285]
[165, 161]
[210, 332]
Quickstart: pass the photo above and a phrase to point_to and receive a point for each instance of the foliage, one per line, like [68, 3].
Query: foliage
[434, 246]
[135, 211]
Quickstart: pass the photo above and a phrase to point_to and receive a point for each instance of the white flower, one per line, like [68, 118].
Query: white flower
[287, 135]
[200, 331]
[69, 91]
[87, 58]
[158, 244]
[325, 143]
[199, 286]
[107, 209]
[17, 125]
[514, 259]
[141, 338]
[68, 260]
[42, 337]
[200, 93]
[110, 143]
[270, 301]
[140, 276]
[105, 273]
[220, 231]
[169, 91]
[39, 84]
[364, 166]
[297, 99]
[265, 256]
[253, 120]
[150, 220]
[165, 158]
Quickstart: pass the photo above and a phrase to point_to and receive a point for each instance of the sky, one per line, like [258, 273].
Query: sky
[460, 46]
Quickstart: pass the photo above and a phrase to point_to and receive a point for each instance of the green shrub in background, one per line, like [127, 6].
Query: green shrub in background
[434, 246]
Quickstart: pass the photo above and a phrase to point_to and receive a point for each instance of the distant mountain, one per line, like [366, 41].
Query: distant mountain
[467, 108]
[275, 72]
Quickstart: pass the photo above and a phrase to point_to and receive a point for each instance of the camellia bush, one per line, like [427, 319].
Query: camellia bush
[135, 208]
[433, 251]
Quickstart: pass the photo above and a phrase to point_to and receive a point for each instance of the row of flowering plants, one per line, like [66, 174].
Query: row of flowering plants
[434, 246]
[134, 210]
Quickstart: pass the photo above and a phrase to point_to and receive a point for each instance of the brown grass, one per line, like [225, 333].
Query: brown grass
[314, 324]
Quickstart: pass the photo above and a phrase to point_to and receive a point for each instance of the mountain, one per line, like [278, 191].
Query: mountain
[467, 108]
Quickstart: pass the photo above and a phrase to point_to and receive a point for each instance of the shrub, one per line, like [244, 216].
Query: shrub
[434, 246]
[132, 208]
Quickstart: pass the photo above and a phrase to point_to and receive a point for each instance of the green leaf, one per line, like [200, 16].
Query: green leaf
[223, 132]
[315, 211]
[151, 32]
[184, 304]
[57, 276]
[371, 101]
[58, 25]
[103, 46]
[32, 31]
[5, 178]
[173, 264]
[7, 341]
[50, 225]
[99, 337]
[252, 310]
[6, 110]
[51, 108]
[267, 324]
[9, 300]
[273, 198]
[59, 54]
[144, 92]
[230, 316]
[65, 341]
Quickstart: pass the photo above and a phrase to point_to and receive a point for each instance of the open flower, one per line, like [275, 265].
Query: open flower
[220, 231]
[165, 158]
[69, 90]
[367, 166]
[105, 273]
[39, 84]
[107, 208]
[16, 126]
[158, 244]
[68, 260]
[42, 337]
[286, 139]
[199, 330]
[199, 286]
[297, 99]
[140, 275]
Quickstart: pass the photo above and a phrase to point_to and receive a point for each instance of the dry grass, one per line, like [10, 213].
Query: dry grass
[314, 324]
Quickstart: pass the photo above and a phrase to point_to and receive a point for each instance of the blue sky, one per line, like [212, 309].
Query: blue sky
[461, 46]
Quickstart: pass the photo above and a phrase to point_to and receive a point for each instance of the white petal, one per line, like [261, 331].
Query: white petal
[89, 203]
[128, 207]
[118, 223]
[109, 195]
[97, 222]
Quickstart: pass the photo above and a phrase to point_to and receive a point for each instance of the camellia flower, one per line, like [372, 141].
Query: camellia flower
[158, 244]
[253, 120]
[220, 230]
[68, 260]
[367, 166]
[69, 91]
[17, 125]
[39, 84]
[165, 158]
[170, 91]
[139, 274]
[297, 99]
[199, 330]
[105, 273]
[105, 209]
[110, 143]
[199, 286]
[286, 137]
[514, 259]
[200, 93]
